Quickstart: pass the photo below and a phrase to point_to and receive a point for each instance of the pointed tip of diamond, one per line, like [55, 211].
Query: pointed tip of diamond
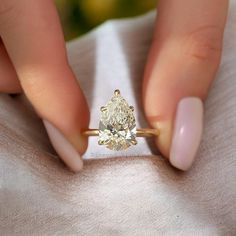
[117, 92]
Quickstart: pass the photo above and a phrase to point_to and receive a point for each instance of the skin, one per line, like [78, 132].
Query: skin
[188, 38]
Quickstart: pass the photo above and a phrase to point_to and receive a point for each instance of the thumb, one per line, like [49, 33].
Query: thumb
[182, 63]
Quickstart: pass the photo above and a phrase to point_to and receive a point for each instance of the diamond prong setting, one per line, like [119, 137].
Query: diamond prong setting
[131, 108]
[117, 126]
[102, 109]
[117, 92]
[134, 142]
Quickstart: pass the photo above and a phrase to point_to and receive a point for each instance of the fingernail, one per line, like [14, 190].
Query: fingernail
[63, 147]
[187, 132]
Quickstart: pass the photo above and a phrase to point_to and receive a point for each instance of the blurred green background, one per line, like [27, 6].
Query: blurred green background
[80, 16]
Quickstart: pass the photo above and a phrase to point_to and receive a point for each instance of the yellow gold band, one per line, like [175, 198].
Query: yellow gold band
[140, 132]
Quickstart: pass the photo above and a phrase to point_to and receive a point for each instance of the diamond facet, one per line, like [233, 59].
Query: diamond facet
[117, 128]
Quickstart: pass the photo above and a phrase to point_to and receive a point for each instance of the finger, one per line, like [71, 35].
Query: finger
[8, 78]
[182, 63]
[33, 38]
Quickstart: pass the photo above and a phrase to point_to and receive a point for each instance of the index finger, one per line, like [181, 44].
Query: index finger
[31, 32]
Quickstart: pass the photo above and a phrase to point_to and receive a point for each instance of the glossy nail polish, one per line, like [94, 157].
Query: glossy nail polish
[63, 147]
[187, 132]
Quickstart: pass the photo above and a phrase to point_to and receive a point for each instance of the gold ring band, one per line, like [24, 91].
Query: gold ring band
[139, 132]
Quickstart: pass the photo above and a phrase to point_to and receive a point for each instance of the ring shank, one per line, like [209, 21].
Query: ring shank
[146, 132]
[91, 132]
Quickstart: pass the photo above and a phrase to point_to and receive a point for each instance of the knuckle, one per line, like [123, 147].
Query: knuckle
[205, 44]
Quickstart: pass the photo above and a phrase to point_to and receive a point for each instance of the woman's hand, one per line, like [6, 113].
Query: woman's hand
[183, 60]
[182, 64]
[33, 59]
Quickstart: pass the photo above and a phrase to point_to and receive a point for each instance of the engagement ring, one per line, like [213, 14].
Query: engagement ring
[117, 126]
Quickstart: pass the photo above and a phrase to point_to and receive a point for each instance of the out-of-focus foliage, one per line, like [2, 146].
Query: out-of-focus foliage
[79, 16]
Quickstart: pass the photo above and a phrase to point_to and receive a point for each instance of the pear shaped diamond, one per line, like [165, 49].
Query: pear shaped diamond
[117, 128]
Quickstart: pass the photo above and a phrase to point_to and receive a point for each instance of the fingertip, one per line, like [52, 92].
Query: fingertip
[187, 132]
[77, 167]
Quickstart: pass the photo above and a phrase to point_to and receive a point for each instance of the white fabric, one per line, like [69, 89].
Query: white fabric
[134, 193]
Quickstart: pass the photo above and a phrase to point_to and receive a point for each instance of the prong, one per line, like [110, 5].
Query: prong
[103, 109]
[131, 108]
[134, 142]
[117, 92]
[100, 142]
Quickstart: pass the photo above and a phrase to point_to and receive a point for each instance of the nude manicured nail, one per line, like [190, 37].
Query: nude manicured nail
[64, 148]
[187, 132]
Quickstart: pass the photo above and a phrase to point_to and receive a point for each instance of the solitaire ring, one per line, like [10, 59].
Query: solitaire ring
[117, 126]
